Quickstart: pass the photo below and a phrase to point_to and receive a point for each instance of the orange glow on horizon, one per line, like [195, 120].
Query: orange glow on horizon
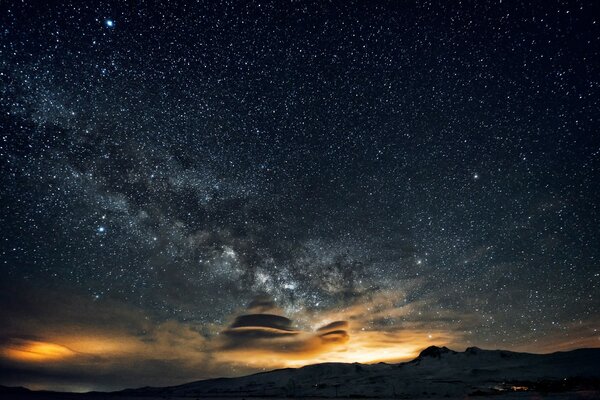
[36, 351]
[367, 347]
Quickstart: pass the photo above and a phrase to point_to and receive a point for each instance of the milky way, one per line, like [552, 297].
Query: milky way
[293, 177]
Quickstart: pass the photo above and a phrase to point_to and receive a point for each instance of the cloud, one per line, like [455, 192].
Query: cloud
[275, 336]
[81, 344]
[263, 321]
[338, 336]
[249, 328]
[33, 350]
[262, 303]
[118, 345]
[334, 325]
[114, 346]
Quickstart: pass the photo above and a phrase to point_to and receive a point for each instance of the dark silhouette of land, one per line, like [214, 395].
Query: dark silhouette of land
[437, 372]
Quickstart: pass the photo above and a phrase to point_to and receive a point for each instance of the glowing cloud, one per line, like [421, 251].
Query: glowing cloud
[35, 351]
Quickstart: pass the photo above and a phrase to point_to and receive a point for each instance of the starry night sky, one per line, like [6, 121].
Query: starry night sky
[218, 188]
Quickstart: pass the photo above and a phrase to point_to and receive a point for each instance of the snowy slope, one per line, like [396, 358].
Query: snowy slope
[436, 372]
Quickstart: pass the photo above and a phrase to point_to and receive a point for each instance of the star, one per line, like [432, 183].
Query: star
[109, 23]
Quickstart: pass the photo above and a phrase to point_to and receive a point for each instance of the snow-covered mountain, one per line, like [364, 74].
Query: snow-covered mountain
[436, 372]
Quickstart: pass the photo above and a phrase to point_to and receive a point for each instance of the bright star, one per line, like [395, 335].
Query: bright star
[101, 229]
[109, 23]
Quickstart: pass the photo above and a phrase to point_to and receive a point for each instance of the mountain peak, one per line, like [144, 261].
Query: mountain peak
[435, 352]
[473, 350]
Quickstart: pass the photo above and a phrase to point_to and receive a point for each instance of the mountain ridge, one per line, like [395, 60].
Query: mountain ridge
[436, 371]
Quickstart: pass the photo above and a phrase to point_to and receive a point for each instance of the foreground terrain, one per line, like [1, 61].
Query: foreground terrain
[438, 372]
